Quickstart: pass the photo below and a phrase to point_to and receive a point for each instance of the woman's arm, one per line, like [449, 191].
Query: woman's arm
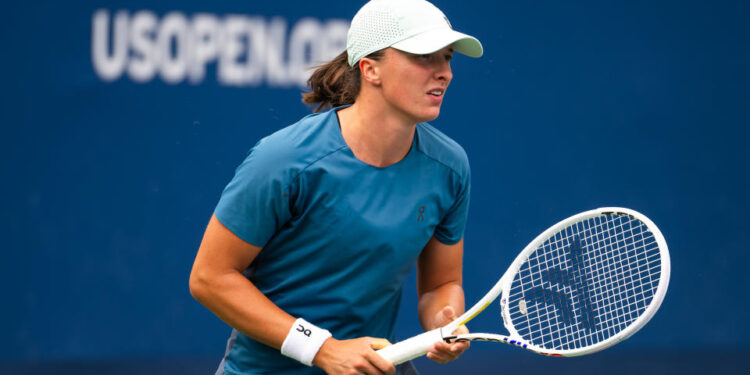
[217, 282]
[441, 296]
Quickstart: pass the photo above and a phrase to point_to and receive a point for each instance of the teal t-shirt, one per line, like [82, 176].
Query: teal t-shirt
[339, 236]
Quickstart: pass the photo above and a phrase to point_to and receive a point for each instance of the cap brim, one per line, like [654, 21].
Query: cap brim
[434, 40]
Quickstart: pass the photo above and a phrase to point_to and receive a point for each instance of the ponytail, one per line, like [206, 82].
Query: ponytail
[335, 83]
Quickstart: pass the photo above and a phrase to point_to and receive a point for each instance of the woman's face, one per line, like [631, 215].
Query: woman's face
[414, 85]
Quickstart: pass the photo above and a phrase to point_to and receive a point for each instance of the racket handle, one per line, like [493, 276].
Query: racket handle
[414, 347]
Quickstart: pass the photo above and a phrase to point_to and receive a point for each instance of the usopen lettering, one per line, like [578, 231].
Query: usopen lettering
[248, 50]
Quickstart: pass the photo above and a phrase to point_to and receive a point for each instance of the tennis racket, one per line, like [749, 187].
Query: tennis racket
[583, 285]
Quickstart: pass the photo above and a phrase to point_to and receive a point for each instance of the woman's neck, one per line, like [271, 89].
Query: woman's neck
[375, 135]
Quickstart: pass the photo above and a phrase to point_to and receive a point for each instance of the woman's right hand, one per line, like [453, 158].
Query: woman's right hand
[355, 356]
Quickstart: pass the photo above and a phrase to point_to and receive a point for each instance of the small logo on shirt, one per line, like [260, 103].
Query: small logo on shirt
[420, 218]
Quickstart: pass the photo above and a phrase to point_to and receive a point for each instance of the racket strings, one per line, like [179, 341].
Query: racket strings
[586, 283]
[643, 280]
[558, 300]
[619, 280]
[610, 298]
[638, 263]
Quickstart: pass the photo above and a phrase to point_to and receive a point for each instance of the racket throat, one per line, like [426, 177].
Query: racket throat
[447, 333]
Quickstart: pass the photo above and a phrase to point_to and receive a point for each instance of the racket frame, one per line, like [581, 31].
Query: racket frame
[420, 344]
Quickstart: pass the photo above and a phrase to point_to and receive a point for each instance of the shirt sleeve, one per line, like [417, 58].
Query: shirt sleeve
[451, 228]
[256, 202]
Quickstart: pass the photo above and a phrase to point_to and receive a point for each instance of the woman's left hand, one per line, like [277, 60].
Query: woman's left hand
[443, 352]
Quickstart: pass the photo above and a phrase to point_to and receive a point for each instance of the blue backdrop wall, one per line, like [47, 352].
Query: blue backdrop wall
[123, 120]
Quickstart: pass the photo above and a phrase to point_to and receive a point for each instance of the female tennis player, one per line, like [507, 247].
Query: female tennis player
[310, 243]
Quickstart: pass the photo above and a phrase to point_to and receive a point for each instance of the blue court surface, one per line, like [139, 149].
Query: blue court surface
[688, 362]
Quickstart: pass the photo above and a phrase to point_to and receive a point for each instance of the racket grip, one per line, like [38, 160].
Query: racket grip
[414, 347]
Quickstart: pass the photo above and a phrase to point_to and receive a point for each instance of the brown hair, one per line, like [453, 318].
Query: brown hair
[335, 83]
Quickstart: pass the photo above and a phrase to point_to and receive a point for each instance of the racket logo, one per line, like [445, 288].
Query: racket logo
[304, 331]
[420, 218]
[573, 277]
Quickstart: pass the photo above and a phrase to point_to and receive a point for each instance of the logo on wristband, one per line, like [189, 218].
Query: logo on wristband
[304, 347]
[304, 331]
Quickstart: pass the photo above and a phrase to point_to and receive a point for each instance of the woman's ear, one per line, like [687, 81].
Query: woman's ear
[370, 70]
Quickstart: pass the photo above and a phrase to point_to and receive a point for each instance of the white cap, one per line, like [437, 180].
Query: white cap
[413, 26]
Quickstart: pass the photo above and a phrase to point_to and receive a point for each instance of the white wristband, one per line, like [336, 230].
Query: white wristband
[303, 341]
